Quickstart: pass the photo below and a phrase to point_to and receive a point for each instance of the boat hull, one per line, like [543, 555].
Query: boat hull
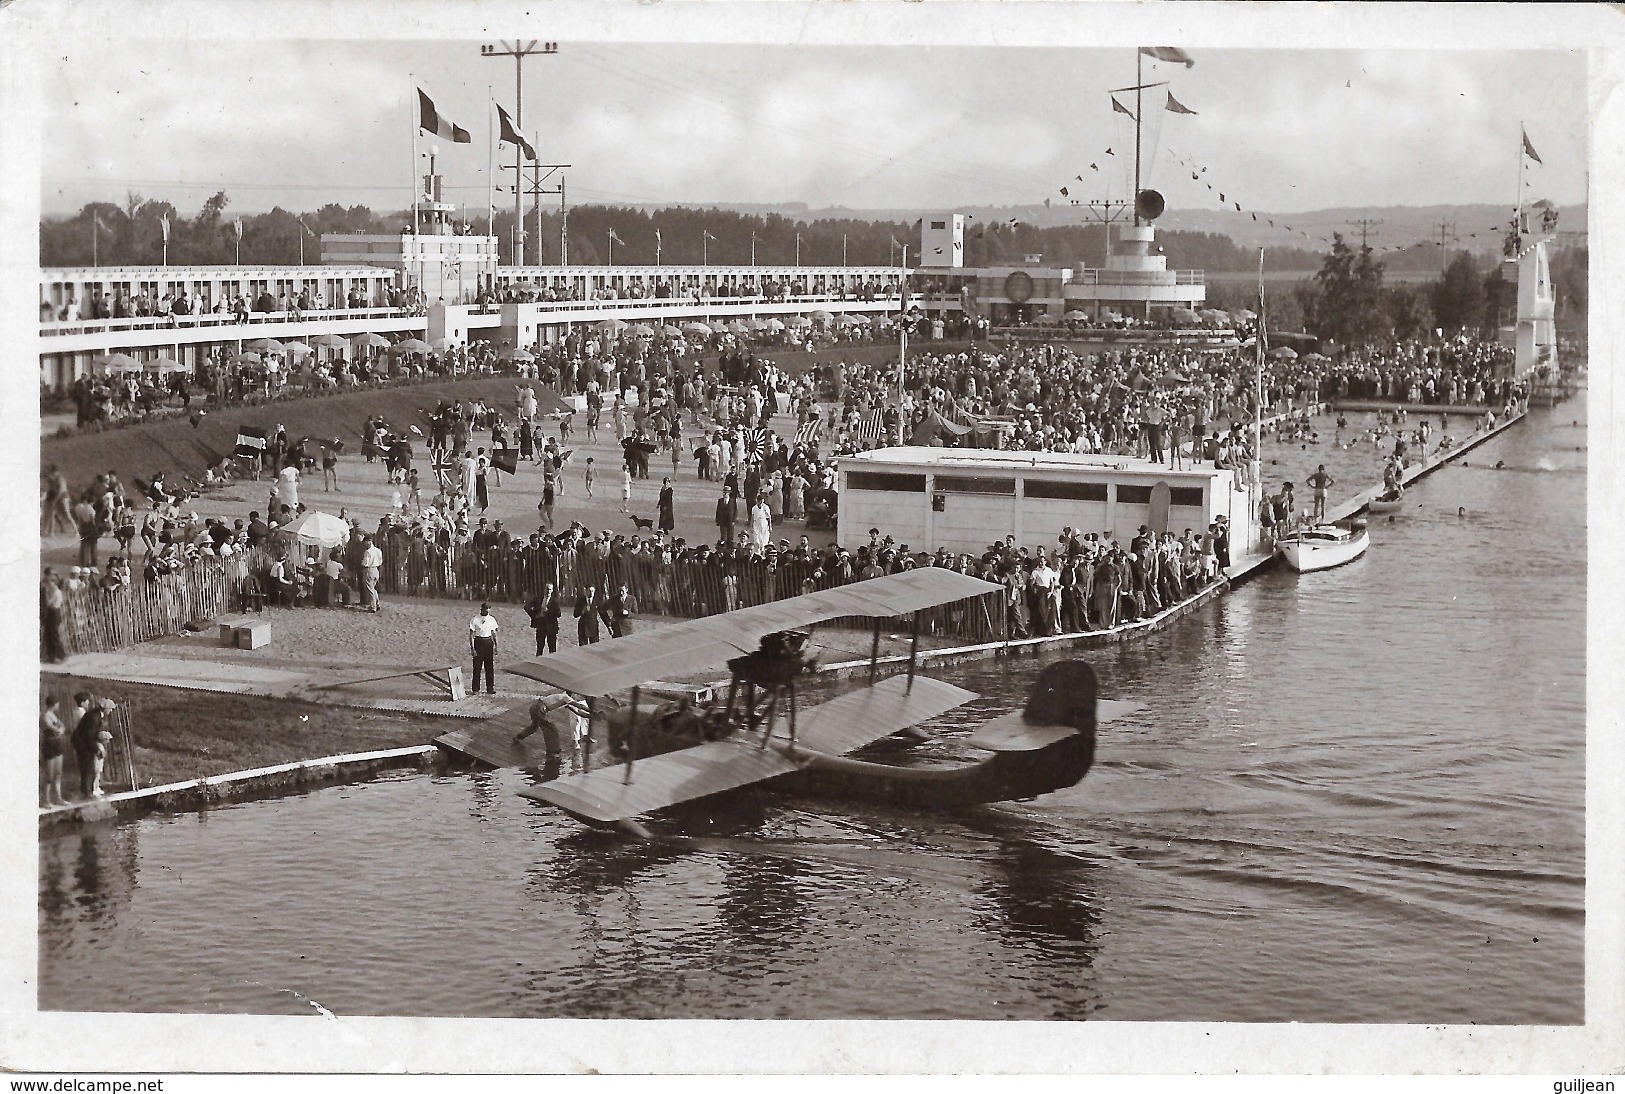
[1380, 505]
[1309, 556]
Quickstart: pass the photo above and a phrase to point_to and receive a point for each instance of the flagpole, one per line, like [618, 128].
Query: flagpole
[95, 238]
[1139, 112]
[490, 162]
[416, 186]
[902, 344]
[1254, 496]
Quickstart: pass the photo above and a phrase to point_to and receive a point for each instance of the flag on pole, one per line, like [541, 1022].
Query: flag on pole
[239, 225]
[616, 238]
[1119, 108]
[808, 434]
[510, 135]
[657, 236]
[250, 442]
[1176, 107]
[429, 119]
[163, 225]
[1529, 149]
[869, 427]
[1168, 53]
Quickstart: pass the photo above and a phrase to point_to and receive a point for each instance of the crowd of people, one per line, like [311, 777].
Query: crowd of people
[769, 441]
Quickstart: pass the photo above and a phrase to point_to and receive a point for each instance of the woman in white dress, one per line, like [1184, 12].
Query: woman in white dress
[761, 524]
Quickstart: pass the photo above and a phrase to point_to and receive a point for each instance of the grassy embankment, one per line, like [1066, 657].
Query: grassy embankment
[183, 735]
[174, 445]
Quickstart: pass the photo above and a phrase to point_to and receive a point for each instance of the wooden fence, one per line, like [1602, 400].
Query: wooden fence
[95, 620]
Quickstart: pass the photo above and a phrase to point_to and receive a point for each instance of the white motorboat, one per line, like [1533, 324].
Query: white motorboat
[1322, 547]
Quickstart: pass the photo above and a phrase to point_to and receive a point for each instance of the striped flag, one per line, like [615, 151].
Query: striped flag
[870, 427]
[808, 434]
[429, 119]
[250, 442]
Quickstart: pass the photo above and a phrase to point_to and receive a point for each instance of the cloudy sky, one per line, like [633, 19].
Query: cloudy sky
[305, 121]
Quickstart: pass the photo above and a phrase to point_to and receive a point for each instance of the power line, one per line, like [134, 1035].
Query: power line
[1365, 224]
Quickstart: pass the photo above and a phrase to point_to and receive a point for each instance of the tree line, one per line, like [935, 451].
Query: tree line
[132, 233]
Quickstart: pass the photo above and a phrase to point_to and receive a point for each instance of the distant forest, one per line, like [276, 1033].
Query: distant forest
[131, 233]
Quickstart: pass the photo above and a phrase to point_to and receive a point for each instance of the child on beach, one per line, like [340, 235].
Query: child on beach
[626, 488]
[587, 476]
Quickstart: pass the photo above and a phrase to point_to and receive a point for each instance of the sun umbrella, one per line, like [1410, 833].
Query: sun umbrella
[848, 321]
[299, 349]
[331, 341]
[412, 345]
[1173, 379]
[696, 327]
[756, 322]
[320, 530]
[822, 316]
[1316, 357]
[267, 345]
[518, 355]
[165, 364]
[738, 326]
[370, 339]
[612, 325]
[1075, 316]
[1284, 352]
[441, 345]
[118, 362]
[776, 325]
[1184, 315]
[246, 358]
[643, 330]
[1245, 314]
[670, 331]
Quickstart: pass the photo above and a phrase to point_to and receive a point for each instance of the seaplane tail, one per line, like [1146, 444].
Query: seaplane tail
[841, 725]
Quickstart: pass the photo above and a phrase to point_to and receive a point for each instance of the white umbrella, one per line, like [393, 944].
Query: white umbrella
[696, 327]
[775, 325]
[822, 315]
[1284, 351]
[320, 530]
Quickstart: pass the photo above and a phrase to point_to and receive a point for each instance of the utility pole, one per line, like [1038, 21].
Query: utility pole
[1365, 224]
[519, 51]
[1447, 236]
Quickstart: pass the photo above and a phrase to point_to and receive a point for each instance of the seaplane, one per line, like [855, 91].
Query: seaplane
[695, 741]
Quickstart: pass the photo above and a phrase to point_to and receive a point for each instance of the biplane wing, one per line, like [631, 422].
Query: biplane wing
[840, 725]
[697, 644]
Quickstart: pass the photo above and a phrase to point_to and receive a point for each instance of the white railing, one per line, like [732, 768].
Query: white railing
[209, 319]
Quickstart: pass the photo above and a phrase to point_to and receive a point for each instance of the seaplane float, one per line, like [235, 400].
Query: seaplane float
[694, 741]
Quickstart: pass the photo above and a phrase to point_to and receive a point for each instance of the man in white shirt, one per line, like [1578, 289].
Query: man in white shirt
[372, 561]
[482, 641]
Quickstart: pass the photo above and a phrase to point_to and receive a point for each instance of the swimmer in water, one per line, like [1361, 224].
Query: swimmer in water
[1461, 511]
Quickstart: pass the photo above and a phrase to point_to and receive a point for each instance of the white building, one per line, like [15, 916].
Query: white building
[966, 499]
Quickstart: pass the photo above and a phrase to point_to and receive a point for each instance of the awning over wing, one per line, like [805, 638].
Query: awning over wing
[838, 726]
[698, 644]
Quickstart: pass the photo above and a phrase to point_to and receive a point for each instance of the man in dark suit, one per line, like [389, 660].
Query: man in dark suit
[586, 613]
[544, 611]
[727, 513]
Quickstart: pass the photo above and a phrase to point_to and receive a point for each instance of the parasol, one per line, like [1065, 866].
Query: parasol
[411, 345]
[370, 339]
[1284, 353]
[611, 325]
[320, 530]
[267, 345]
[246, 358]
[331, 341]
[694, 326]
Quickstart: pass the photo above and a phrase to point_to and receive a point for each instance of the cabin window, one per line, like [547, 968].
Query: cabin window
[939, 225]
[1067, 491]
[1134, 495]
[970, 484]
[881, 480]
[1185, 495]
